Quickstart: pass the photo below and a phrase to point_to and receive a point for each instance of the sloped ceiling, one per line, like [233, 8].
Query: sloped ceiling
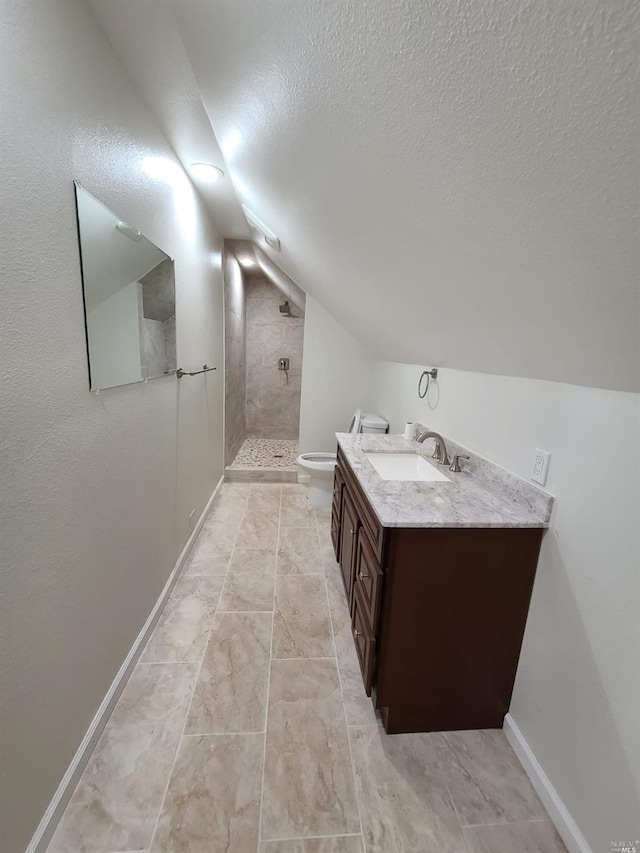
[456, 182]
[145, 37]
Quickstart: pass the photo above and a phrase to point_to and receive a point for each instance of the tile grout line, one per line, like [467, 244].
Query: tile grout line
[266, 710]
[246, 611]
[310, 657]
[195, 684]
[446, 785]
[344, 710]
[302, 574]
[222, 734]
[505, 823]
[304, 838]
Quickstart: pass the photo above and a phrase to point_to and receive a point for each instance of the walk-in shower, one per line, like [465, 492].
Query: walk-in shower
[264, 335]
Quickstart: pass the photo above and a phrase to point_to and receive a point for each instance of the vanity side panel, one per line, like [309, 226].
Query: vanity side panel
[454, 612]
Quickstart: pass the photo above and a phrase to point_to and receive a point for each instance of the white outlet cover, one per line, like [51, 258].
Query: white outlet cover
[540, 466]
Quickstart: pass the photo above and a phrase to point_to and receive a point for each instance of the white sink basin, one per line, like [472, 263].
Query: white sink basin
[405, 466]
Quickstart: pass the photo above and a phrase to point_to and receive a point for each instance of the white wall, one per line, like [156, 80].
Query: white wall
[577, 693]
[95, 491]
[114, 339]
[337, 378]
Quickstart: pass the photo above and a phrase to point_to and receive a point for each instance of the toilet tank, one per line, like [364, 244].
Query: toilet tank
[373, 423]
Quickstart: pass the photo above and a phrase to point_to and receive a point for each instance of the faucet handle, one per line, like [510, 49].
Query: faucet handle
[455, 465]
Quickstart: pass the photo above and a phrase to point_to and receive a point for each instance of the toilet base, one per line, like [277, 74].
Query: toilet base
[320, 492]
[317, 469]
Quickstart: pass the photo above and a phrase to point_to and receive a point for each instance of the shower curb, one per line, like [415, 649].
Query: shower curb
[260, 475]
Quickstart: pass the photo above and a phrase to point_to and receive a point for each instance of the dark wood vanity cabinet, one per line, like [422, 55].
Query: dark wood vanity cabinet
[438, 614]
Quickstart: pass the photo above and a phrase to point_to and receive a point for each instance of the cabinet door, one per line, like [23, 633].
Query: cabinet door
[368, 579]
[348, 536]
[335, 533]
[364, 641]
[336, 513]
[338, 483]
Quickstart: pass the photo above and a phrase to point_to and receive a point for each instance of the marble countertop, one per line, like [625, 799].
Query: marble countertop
[477, 498]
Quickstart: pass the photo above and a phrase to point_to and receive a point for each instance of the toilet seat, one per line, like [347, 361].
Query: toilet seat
[318, 461]
[356, 421]
[318, 468]
[326, 462]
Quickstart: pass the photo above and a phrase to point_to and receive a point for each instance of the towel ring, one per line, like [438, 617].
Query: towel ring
[430, 374]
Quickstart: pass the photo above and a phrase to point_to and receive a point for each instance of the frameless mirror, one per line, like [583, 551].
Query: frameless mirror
[129, 299]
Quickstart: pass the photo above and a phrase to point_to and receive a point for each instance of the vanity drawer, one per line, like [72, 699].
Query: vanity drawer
[364, 641]
[368, 578]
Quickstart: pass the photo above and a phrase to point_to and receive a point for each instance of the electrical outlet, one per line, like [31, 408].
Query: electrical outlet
[541, 466]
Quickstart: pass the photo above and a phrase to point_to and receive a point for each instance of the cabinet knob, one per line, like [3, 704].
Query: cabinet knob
[357, 633]
[352, 531]
[362, 576]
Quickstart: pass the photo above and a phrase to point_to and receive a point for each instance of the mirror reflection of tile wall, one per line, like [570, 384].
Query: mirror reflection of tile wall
[157, 303]
[129, 296]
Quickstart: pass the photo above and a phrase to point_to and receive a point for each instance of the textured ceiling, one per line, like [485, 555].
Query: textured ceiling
[145, 37]
[456, 182]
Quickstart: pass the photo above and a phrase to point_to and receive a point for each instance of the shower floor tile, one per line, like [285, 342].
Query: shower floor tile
[267, 453]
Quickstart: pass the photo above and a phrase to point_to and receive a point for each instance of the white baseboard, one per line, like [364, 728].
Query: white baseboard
[568, 829]
[55, 810]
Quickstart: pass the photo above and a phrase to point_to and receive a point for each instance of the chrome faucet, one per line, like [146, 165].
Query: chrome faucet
[440, 453]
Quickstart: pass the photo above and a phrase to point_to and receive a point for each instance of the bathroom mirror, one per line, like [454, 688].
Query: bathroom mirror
[129, 298]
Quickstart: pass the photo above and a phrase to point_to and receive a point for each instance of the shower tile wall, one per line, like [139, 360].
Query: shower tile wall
[235, 358]
[272, 402]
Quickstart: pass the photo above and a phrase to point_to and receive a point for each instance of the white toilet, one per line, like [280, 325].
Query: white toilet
[317, 468]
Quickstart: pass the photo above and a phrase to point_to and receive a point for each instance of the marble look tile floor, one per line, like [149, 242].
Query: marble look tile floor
[245, 728]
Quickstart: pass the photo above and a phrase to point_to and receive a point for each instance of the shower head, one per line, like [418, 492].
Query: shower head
[285, 308]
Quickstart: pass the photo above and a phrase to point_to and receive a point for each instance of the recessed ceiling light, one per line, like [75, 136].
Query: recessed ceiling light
[206, 172]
